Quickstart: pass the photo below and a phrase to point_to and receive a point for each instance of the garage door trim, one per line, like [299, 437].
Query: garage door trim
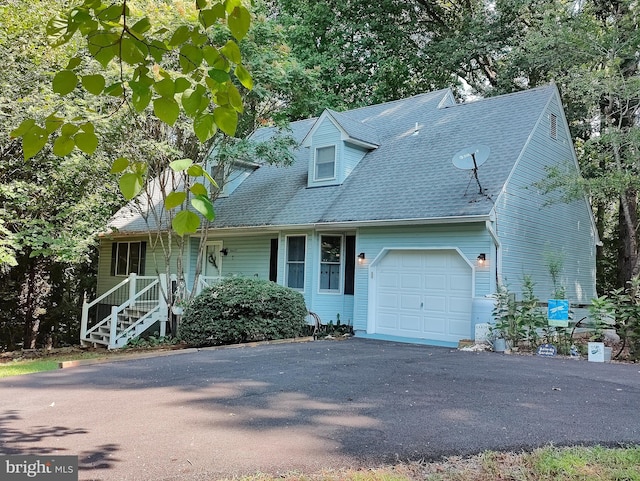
[372, 276]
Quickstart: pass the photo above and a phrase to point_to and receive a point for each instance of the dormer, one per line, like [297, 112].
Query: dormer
[231, 174]
[336, 143]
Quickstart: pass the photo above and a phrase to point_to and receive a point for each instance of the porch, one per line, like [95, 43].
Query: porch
[131, 308]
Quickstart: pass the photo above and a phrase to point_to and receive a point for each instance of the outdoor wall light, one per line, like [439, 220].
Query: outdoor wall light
[224, 252]
[482, 260]
[361, 258]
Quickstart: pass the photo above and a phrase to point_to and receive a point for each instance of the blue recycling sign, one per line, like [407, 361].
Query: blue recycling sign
[558, 312]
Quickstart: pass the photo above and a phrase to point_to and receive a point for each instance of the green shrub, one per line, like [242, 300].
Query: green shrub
[242, 309]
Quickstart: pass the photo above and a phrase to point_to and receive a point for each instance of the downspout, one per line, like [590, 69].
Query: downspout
[497, 279]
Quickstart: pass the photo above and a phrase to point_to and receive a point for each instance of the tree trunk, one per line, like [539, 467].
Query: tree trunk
[628, 247]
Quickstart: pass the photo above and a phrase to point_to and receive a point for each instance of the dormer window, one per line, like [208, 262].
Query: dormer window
[325, 166]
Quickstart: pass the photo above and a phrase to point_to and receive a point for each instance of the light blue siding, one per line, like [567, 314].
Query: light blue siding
[535, 228]
[347, 155]
[351, 156]
[470, 239]
[248, 256]
[326, 134]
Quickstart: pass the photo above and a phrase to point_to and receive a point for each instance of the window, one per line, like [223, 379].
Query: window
[330, 262]
[295, 262]
[325, 167]
[127, 258]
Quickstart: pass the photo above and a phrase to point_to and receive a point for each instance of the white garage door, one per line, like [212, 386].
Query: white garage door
[424, 295]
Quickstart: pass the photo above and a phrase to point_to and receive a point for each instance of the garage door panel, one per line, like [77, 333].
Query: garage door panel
[389, 300]
[435, 325]
[424, 294]
[411, 281]
[388, 279]
[435, 304]
[411, 302]
[436, 281]
[388, 320]
[411, 323]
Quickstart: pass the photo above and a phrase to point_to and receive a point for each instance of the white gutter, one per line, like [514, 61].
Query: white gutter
[334, 225]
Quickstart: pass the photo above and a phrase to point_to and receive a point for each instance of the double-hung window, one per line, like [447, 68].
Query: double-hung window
[296, 246]
[128, 258]
[330, 262]
[325, 167]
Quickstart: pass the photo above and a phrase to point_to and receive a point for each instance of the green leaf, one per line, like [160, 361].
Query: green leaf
[190, 58]
[157, 49]
[132, 51]
[198, 189]
[231, 51]
[33, 141]
[209, 17]
[185, 222]
[142, 25]
[93, 84]
[226, 119]
[115, 90]
[113, 13]
[53, 123]
[88, 127]
[87, 142]
[63, 145]
[166, 109]
[165, 87]
[103, 47]
[119, 165]
[235, 99]
[181, 164]
[203, 205]
[181, 84]
[130, 185]
[174, 199]
[180, 36]
[59, 31]
[219, 76]
[74, 62]
[23, 128]
[64, 82]
[191, 100]
[211, 55]
[239, 22]
[140, 98]
[69, 129]
[243, 75]
[205, 127]
[195, 170]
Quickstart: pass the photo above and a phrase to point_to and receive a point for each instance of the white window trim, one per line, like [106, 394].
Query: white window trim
[315, 164]
[286, 262]
[340, 290]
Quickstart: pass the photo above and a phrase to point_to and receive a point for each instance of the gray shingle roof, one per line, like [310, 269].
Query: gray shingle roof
[407, 177]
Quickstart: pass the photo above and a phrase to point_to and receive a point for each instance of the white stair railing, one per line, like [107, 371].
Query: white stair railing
[150, 302]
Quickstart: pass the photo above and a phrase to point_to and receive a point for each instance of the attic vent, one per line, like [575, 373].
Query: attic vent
[554, 126]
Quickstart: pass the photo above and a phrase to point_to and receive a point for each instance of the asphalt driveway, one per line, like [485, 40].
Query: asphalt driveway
[306, 406]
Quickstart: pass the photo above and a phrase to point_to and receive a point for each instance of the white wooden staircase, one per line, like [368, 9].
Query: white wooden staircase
[125, 312]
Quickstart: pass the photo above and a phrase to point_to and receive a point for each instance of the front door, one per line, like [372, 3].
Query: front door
[213, 260]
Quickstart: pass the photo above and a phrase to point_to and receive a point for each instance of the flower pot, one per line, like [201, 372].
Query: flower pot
[499, 345]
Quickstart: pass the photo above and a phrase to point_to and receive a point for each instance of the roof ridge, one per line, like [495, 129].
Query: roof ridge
[548, 86]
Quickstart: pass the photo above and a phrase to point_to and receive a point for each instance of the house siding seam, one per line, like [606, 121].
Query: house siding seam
[534, 227]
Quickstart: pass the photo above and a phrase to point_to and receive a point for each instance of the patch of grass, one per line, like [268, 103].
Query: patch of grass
[48, 363]
[544, 464]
